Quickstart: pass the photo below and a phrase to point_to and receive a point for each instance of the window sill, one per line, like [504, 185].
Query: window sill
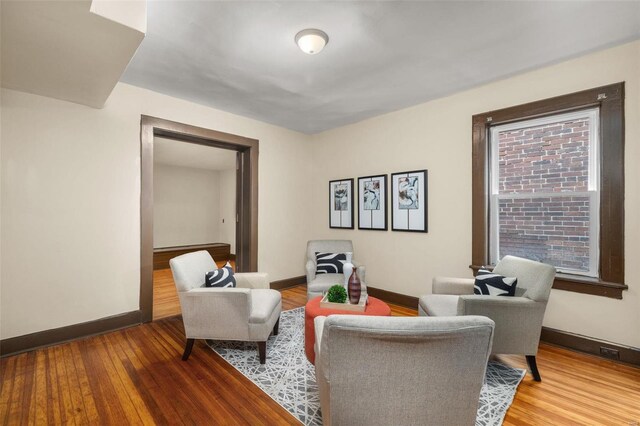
[584, 285]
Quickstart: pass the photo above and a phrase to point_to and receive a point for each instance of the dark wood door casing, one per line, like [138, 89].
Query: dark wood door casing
[246, 195]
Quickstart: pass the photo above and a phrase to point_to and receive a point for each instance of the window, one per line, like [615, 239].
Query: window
[549, 186]
[544, 191]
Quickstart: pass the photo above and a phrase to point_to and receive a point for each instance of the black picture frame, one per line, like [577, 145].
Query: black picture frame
[341, 209]
[410, 201]
[372, 215]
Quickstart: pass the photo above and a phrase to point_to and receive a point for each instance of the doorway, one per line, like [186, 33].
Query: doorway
[246, 244]
[194, 208]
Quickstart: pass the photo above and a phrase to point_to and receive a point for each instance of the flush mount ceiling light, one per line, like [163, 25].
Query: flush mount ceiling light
[311, 41]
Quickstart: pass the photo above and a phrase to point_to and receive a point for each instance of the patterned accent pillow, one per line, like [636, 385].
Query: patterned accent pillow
[490, 284]
[222, 277]
[330, 263]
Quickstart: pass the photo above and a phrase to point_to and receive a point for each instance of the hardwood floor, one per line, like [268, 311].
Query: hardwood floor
[135, 376]
[165, 296]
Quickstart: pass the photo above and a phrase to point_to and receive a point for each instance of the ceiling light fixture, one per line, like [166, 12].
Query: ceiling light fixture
[311, 41]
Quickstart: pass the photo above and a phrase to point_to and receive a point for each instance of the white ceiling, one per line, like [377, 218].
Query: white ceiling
[185, 154]
[382, 56]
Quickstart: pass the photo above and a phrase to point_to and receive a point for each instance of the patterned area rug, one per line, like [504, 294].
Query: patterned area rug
[289, 378]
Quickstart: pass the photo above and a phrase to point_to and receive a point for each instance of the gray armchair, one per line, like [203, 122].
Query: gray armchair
[518, 319]
[249, 312]
[317, 284]
[401, 371]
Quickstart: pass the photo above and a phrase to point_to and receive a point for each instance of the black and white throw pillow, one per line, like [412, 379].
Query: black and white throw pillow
[490, 284]
[222, 277]
[330, 263]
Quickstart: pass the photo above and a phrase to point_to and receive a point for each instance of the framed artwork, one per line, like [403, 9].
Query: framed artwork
[372, 202]
[341, 203]
[409, 201]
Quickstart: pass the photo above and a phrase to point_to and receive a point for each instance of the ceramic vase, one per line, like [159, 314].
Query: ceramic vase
[347, 269]
[355, 288]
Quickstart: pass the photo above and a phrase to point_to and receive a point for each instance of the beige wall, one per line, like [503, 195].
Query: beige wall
[186, 206]
[437, 136]
[70, 219]
[71, 186]
[228, 208]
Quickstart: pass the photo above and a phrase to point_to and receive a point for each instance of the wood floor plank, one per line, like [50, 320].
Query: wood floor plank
[67, 410]
[31, 395]
[28, 398]
[14, 409]
[163, 368]
[108, 406]
[145, 369]
[40, 391]
[53, 404]
[88, 402]
[138, 408]
[165, 295]
[8, 366]
[126, 398]
[136, 376]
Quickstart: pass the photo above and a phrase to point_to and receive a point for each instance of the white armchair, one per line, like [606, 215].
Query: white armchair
[518, 319]
[249, 312]
[401, 371]
[317, 284]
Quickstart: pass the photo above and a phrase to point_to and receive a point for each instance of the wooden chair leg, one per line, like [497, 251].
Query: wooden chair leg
[262, 352]
[531, 360]
[275, 327]
[187, 349]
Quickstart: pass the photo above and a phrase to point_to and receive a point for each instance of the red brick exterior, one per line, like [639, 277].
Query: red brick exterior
[550, 158]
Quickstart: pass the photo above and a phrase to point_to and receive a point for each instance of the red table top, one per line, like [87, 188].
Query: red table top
[375, 307]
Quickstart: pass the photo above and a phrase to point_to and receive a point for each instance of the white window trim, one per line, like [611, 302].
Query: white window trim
[593, 185]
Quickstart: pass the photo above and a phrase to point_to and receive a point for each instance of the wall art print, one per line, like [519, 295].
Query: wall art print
[372, 202]
[341, 203]
[409, 201]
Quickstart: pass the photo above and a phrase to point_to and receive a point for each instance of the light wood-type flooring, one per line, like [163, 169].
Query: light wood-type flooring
[165, 297]
[136, 376]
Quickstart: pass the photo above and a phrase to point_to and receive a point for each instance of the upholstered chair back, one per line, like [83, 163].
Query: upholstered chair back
[534, 278]
[327, 246]
[189, 269]
[317, 285]
[422, 370]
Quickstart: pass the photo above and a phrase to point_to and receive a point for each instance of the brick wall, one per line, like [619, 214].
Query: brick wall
[549, 158]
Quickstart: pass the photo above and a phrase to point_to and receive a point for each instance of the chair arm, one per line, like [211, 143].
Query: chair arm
[504, 310]
[216, 313]
[447, 285]
[252, 280]
[518, 321]
[311, 270]
[318, 326]
[322, 348]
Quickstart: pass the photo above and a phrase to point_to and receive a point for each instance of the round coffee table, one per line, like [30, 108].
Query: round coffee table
[375, 307]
